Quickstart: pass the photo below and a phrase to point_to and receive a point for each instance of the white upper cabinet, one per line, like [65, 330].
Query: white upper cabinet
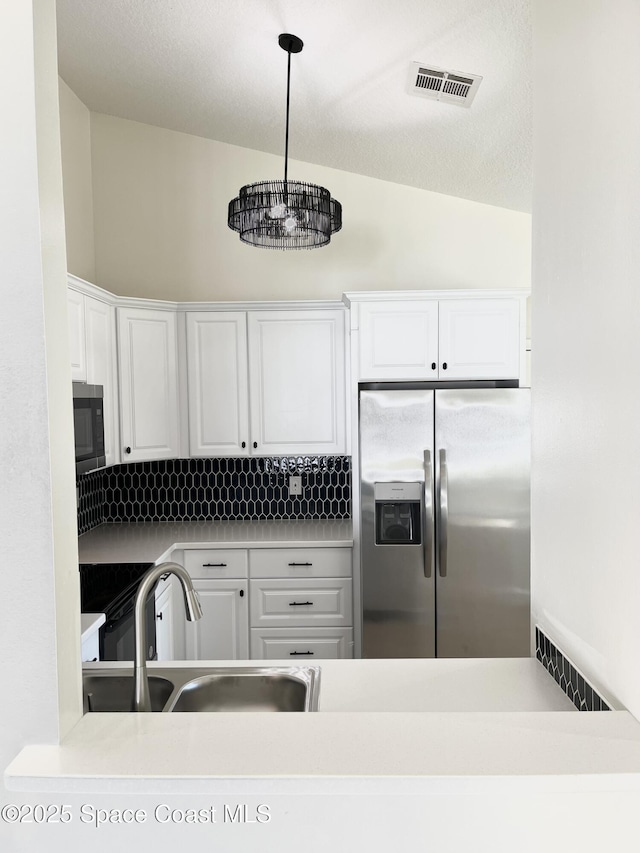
[148, 384]
[266, 382]
[297, 382]
[479, 339]
[218, 383]
[439, 336]
[101, 368]
[92, 343]
[399, 340]
[77, 345]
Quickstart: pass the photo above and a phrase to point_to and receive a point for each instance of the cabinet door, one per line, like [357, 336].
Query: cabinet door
[77, 346]
[148, 384]
[479, 339]
[218, 383]
[223, 631]
[399, 340]
[297, 382]
[100, 341]
[165, 625]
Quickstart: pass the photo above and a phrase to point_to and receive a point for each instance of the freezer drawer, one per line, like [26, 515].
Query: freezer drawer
[281, 603]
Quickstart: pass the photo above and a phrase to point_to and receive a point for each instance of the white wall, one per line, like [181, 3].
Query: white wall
[586, 358]
[27, 616]
[160, 210]
[37, 499]
[75, 132]
[58, 368]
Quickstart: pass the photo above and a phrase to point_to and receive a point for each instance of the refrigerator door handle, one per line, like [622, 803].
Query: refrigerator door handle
[427, 518]
[443, 514]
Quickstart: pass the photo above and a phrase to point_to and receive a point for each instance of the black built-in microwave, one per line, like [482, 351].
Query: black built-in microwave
[88, 426]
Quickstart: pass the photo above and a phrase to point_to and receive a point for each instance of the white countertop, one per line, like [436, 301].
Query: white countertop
[151, 541]
[428, 684]
[330, 752]
[523, 731]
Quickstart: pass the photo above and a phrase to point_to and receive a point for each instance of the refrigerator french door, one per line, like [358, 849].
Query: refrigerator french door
[445, 522]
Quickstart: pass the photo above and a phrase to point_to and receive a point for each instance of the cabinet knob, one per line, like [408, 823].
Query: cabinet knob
[244, 444]
[241, 593]
[255, 444]
[433, 365]
[444, 365]
[159, 616]
[127, 450]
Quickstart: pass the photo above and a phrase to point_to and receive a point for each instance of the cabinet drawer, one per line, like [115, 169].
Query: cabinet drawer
[300, 563]
[300, 644]
[279, 603]
[217, 563]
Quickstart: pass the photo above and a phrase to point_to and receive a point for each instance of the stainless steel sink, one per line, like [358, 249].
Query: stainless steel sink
[106, 692]
[184, 689]
[247, 690]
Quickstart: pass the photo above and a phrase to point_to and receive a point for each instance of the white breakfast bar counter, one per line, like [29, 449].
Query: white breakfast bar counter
[410, 726]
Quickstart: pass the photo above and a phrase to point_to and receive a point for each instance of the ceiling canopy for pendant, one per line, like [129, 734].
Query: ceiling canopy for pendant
[285, 214]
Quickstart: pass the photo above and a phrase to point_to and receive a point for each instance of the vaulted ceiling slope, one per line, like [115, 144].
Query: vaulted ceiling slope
[213, 68]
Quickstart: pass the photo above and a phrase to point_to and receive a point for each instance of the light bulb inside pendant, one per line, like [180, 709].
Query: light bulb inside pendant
[278, 211]
[290, 223]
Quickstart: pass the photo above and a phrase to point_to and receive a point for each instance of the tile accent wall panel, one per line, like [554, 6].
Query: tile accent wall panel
[583, 695]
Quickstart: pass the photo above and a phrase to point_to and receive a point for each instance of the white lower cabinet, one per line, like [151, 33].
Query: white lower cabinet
[223, 631]
[169, 620]
[261, 604]
[301, 643]
[300, 603]
[220, 579]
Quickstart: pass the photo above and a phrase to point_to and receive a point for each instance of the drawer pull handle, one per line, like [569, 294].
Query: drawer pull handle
[214, 565]
[301, 653]
[300, 564]
[300, 603]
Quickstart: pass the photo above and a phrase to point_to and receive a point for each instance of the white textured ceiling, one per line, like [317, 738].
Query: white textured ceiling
[213, 68]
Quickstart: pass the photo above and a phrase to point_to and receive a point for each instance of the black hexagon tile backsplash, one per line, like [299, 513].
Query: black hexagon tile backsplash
[583, 695]
[221, 489]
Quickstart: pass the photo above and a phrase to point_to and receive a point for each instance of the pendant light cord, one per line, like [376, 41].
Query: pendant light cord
[286, 135]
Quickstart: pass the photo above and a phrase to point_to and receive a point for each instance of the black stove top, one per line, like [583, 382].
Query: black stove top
[102, 584]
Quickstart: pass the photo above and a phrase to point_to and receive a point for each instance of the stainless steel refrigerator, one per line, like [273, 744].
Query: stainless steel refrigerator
[445, 521]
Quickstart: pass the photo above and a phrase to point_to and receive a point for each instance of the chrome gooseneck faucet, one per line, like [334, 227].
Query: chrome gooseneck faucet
[141, 698]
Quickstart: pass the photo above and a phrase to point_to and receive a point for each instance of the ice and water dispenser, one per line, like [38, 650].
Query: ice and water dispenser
[398, 513]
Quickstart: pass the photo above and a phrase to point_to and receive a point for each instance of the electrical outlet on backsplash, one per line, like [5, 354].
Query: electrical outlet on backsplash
[220, 489]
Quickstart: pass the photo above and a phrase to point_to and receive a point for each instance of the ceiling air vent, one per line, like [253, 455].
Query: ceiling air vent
[452, 87]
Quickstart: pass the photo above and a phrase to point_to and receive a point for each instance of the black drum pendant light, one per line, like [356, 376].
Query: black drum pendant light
[285, 214]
